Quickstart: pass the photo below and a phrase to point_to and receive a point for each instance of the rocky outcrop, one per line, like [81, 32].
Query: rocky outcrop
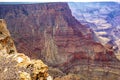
[20, 67]
[17, 66]
[6, 42]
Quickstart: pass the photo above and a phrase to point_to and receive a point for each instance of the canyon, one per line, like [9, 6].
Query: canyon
[49, 31]
[102, 19]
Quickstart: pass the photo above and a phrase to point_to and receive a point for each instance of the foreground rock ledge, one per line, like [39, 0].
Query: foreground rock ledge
[17, 66]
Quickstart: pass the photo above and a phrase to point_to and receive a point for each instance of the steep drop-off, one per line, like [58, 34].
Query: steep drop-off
[104, 20]
[17, 66]
[50, 32]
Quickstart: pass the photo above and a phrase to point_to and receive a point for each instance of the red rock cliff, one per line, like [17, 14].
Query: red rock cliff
[51, 32]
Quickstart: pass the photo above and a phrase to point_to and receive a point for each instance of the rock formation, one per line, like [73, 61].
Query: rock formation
[49, 31]
[17, 66]
[6, 42]
[104, 20]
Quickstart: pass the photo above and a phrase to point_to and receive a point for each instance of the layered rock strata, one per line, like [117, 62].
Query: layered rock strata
[49, 31]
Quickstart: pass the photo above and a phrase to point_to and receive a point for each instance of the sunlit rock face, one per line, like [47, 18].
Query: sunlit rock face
[49, 31]
[6, 42]
[18, 66]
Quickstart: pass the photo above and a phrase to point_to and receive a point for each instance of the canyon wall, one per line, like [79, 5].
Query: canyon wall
[48, 31]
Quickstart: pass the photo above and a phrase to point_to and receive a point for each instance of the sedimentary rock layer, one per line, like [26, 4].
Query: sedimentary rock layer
[49, 31]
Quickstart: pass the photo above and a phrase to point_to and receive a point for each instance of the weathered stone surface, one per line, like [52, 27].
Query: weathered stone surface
[6, 42]
[69, 77]
[17, 66]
